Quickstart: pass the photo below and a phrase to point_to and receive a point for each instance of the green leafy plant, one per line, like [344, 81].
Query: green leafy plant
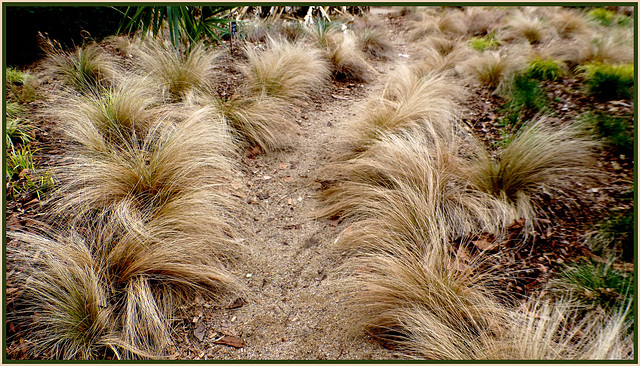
[608, 81]
[616, 234]
[187, 25]
[484, 43]
[525, 99]
[21, 85]
[541, 69]
[615, 132]
[22, 175]
[602, 15]
[596, 284]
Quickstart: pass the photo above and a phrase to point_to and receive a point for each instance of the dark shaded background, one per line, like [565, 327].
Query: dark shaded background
[63, 23]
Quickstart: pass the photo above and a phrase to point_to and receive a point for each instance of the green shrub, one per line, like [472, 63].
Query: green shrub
[21, 86]
[607, 81]
[616, 233]
[22, 175]
[615, 132]
[596, 285]
[525, 99]
[484, 43]
[603, 16]
[540, 69]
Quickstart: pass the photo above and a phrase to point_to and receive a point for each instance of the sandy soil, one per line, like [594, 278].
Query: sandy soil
[292, 309]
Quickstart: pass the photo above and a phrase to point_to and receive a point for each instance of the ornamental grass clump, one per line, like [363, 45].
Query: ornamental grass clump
[109, 117]
[538, 156]
[259, 119]
[177, 74]
[407, 100]
[285, 70]
[85, 69]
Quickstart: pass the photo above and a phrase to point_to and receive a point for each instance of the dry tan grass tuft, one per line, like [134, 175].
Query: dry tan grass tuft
[177, 74]
[544, 330]
[375, 42]
[347, 58]
[482, 21]
[493, 68]
[85, 69]
[453, 24]
[569, 23]
[538, 156]
[521, 26]
[285, 70]
[171, 180]
[406, 101]
[120, 113]
[418, 178]
[260, 119]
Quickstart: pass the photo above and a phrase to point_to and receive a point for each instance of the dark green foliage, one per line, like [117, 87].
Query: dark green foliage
[69, 25]
[540, 69]
[598, 284]
[617, 233]
[615, 132]
[524, 100]
[603, 16]
[188, 25]
[609, 82]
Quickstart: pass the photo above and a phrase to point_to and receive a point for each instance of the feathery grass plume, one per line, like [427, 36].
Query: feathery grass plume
[256, 31]
[323, 32]
[407, 100]
[569, 22]
[482, 21]
[615, 47]
[420, 301]
[521, 26]
[559, 330]
[453, 24]
[67, 291]
[85, 69]
[291, 30]
[424, 25]
[258, 119]
[121, 113]
[348, 60]
[492, 68]
[285, 70]
[172, 180]
[113, 293]
[177, 74]
[375, 42]
[416, 176]
[537, 156]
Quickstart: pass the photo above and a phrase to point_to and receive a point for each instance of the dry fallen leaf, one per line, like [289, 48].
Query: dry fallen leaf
[231, 341]
[199, 332]
[484, 244]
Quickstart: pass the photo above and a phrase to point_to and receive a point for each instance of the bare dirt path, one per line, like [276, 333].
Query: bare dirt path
[292, 309]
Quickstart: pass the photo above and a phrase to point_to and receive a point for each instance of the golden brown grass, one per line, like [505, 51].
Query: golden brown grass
[528, 27]
[84, 69]
[569, 23]
[440, 55]
[493, 68]
[285, 70]
[406, 101]
[482, 21]
[417, 176]
[538, 156]
[112, 294]
[375, 42]
[176, 74]
[347, 58]
[258, 119]
[120, 113]
[170, 180]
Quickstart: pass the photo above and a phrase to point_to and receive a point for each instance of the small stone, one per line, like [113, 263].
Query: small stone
[249, 275]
